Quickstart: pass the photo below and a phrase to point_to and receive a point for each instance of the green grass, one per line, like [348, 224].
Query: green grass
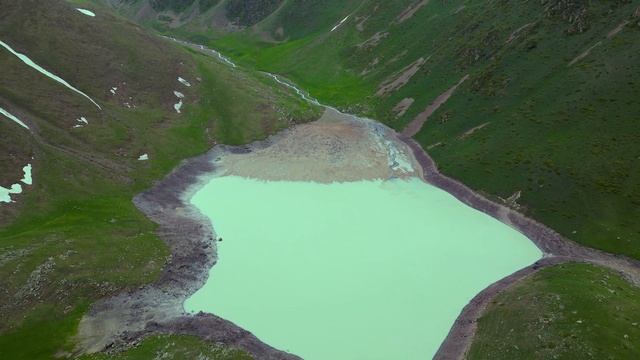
[572, 311]
[45, 333]
[563, 135]
[174, 348]
[75, 235]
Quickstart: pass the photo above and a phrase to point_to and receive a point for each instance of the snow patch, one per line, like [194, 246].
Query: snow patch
[87, 12]
[5, 194]
[340, 23]
[113, 90]
[25, 59]
[143, 157]
[82, 121]
[26, 178]
[12, 117]
[180, 96]
[178, 106]
[184, 82]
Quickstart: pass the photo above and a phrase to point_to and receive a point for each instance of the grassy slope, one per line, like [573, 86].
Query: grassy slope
[174, 347]
[572, 311]
[563, 135]
[75, 236]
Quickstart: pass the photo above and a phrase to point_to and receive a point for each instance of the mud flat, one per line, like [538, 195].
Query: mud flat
[335, 148]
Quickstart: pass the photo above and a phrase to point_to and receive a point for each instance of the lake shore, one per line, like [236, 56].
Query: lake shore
[555, 247]
[119, 322]
[123, 320]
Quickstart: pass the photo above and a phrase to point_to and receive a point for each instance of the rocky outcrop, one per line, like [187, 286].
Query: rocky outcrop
[573, 12]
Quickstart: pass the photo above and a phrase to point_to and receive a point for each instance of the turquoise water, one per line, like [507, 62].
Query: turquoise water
[360, 270]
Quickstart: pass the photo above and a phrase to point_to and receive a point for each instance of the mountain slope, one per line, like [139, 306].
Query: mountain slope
[74, 236]
[532, 103]
[547, 117]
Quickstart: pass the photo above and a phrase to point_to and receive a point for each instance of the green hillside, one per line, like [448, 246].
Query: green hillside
[75, 235]
[566, 312]
[548, 112]
[548, 121]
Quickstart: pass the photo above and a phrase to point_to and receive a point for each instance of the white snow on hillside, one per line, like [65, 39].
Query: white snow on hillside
[25, 59]
[13, 118]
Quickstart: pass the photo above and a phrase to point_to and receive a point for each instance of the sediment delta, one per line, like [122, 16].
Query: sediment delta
[335, 148]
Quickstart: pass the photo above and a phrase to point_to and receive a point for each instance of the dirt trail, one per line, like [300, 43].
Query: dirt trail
[472, 131]
[416, 124]
[617, 29]
[402, 107]
[374, 40]
[514, 35]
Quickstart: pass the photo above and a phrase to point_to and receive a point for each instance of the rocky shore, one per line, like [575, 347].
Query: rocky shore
[122, 321]
[555, 247]
[339, 147]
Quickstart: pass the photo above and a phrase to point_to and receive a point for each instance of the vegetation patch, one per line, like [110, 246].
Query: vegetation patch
[571, 311]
